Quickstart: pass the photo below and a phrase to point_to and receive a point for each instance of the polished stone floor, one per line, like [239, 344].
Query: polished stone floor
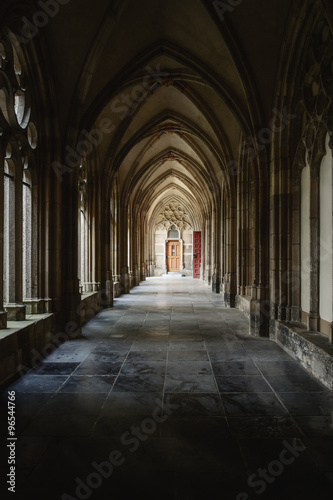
[166, 396]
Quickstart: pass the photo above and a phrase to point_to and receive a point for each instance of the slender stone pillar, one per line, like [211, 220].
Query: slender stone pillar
[3, 313]
[124, 280]
[230, 285]
[106, 293]
[14, 305]
[70, 312]
[143, 272]
[216, 281]
[313, 317]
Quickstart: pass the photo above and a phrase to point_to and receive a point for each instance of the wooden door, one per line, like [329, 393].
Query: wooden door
[173, 256]
[196, 254]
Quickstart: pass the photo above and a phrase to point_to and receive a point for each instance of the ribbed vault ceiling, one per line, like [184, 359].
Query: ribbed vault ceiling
[177, 85]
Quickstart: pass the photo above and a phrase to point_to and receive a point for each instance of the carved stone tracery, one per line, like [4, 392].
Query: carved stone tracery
[173, 215]
[317, 91]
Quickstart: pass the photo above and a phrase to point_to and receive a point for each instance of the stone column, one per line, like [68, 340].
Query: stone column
[3, 313]
[70, 292]
[106, 294]
[15, 307]
[124, 275]
[242, 228]
[104, 249]
[37, 302]
[34, 304]
[216, 281]
[295, 274]
[143, 271]
[135, 241]
[260, 304]
[230, 274]
[208, 252]
[284, 218]
[313, 318]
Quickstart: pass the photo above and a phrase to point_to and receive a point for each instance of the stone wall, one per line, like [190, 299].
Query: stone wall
[311, 349]
[160, 237]
[23, 347]
[188, 252]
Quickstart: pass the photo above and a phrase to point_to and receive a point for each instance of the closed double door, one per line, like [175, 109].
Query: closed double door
[173, 256]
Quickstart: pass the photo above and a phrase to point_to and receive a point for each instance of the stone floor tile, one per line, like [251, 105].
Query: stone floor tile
[211, 404]
[89, 384]
[308, 403]
[242, 383]
[239, 367]
[190, 383]
[260, 404]
[208, 404]
[315, 426]
[295, 383]
[182, 355]
[139, 383]
[144, 368]
[138, 403]
[34, 383]
[102, 368]
[55, 368]
[74, 404]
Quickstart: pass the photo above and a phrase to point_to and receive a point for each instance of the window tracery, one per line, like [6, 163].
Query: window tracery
[173, 215]
[19, 136]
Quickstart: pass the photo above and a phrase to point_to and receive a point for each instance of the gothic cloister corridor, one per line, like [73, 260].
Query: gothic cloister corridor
[171, 379]
[166, 249]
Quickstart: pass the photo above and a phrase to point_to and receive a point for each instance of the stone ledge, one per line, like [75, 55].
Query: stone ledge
[89, 306]
[15, 312]
[20, 342]
[34, 306]
[311, 349]
[3, 319]
[116, 289]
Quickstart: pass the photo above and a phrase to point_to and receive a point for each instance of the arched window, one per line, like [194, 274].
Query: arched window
[20, 226]
[316, 244]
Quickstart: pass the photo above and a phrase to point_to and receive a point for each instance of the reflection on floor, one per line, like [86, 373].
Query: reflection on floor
[167, 397]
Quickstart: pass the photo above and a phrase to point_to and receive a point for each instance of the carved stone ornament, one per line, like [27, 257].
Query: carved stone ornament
[317, 89]
[173, 214]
